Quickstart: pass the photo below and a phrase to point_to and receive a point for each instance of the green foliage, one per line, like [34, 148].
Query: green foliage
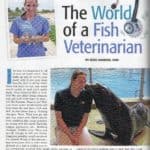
[14, 13]
[52, 34]
[18, 11]
[44, 11]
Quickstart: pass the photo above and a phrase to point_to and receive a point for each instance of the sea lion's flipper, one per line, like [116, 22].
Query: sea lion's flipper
[101, 134]
[148, 117]
[148, 124]
[100, 122]
[97, 133]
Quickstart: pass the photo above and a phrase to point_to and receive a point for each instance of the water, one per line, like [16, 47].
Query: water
[125, 83]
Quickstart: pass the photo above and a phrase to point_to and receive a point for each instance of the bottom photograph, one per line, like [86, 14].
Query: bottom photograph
[96, 106]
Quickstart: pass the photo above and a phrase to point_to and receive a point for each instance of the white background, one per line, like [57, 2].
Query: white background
[61, 60]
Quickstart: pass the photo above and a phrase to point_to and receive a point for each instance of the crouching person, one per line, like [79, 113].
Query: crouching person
[72, 107]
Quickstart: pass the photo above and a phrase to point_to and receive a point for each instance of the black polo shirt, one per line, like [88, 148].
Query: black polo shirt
[72, 108]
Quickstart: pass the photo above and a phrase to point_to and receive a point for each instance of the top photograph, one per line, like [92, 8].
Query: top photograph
[31, 28]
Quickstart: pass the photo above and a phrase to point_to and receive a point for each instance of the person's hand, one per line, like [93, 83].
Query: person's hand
[25, 39]
[36, 39]
[74, 139]
[77, 134]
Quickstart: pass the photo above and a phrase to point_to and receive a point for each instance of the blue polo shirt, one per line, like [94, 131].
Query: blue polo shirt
[37, 26]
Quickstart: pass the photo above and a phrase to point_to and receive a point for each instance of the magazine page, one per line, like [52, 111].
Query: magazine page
[74, 75]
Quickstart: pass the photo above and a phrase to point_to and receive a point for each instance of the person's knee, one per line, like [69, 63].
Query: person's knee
[62, 138]
[85, 138]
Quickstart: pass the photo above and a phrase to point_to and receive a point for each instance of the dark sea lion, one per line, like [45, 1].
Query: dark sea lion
[121, 121]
